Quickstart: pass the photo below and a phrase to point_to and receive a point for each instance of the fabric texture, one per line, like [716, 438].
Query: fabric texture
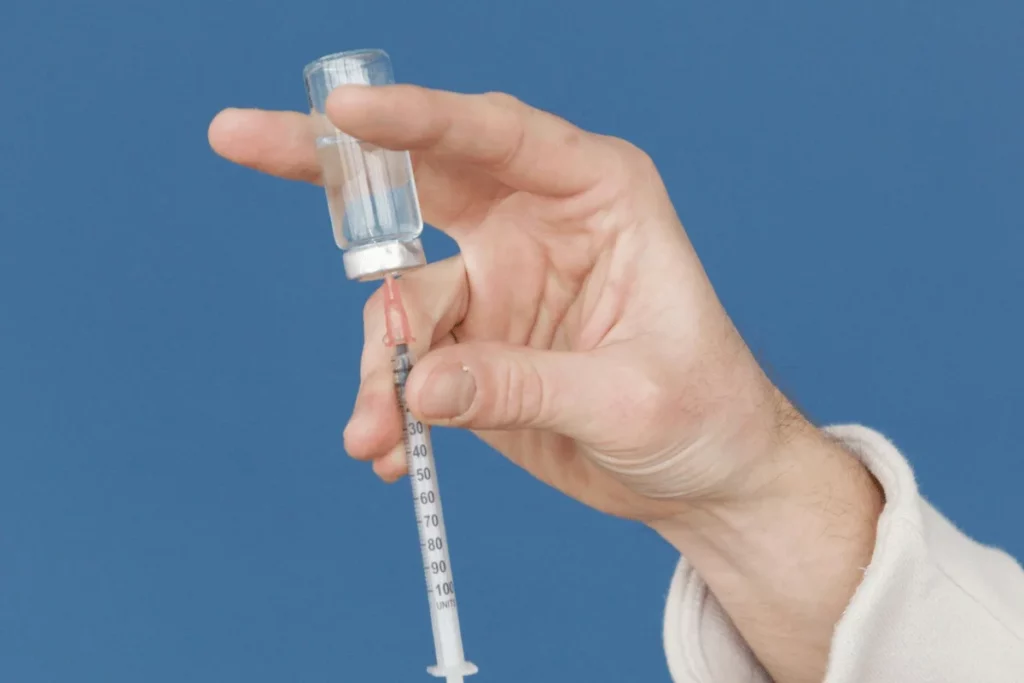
[934, 605]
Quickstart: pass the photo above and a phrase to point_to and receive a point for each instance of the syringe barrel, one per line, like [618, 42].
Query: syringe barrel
[437, 564]
[371, 192]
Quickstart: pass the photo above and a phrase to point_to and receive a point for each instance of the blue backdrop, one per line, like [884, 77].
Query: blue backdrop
[179, 346]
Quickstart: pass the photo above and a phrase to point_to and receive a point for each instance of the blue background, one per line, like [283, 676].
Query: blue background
[179, 346]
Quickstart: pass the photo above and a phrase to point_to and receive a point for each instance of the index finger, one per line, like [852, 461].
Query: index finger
[276, 142]
[522, 147]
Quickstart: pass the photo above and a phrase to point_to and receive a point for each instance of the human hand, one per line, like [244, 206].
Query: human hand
[591, 349]
[577, 333]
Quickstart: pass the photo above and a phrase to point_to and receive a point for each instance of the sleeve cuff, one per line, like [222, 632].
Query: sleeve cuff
[701, 643]
[933, 605]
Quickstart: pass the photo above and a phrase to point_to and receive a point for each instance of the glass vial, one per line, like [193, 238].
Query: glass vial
[371, 193]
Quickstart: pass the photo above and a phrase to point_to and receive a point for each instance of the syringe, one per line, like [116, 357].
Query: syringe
[419, 455]
[375, 213]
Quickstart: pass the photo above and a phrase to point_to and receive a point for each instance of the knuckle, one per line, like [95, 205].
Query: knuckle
[513, 409]
[635, 157]
[491, 401]
[514, 148]
[511, 126]
[532, 395]
[634, 168]
[503, 99]
[522, 393]
[573, 137]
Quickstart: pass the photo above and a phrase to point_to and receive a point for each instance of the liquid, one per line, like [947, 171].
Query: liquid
[371, 194]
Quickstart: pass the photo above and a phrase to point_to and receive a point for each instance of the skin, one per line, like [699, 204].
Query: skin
[577, 333]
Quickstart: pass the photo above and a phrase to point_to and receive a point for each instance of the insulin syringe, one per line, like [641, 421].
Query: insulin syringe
[437, 566]
[375, 215]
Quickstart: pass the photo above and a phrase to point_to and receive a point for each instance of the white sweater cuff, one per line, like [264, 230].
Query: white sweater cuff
[934, 605]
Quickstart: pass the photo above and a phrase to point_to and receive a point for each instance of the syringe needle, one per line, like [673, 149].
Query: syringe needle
[419, 455]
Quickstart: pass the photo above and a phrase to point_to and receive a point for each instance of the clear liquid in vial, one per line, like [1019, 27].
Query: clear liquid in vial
[371, 194]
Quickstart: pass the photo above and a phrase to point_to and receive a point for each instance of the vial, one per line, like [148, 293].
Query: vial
[371, 193]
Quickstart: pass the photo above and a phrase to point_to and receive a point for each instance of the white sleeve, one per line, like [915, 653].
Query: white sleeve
[933, 605]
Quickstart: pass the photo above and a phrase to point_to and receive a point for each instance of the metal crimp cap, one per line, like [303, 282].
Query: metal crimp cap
[374, 261]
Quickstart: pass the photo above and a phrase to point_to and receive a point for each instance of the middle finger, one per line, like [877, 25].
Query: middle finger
[435, 298]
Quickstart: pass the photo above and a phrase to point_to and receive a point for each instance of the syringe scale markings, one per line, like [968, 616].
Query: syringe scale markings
[437, 566]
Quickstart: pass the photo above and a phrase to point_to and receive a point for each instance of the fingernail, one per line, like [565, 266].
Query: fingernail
[448, 392]
[347, 92]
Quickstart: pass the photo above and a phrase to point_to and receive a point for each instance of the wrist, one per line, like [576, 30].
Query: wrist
[810, 483]
[785, 560]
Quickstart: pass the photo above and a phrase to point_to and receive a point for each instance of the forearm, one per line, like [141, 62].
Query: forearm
[785, 565]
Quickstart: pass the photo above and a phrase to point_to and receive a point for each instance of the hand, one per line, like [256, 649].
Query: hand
[576, 332]
[591, 348]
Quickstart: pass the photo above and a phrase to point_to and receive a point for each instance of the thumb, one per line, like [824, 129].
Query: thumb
[486, 385]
